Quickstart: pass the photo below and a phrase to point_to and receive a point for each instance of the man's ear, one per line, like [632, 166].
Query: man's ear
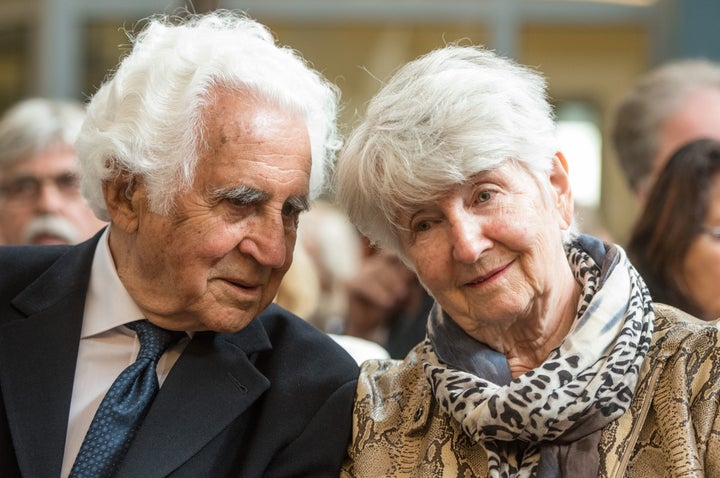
[560, 181]
[120, 197]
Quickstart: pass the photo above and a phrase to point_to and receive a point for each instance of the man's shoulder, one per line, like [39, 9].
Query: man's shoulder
[310, 349]
[37, 256]
[23, 264]
[280, 322]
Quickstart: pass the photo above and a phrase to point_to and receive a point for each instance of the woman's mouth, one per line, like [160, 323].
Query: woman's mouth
[489, 277]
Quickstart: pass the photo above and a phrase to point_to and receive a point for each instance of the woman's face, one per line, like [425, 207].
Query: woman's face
[491, 251]
[701, 267]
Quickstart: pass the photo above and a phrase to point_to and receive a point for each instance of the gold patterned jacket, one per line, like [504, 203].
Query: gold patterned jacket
[672, 428]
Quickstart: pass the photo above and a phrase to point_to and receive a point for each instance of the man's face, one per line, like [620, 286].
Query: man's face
[698, 117]
[216, 261]
[40, 201]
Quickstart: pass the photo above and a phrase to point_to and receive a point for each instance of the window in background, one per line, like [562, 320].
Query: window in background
[15, 64]
[105, 42]
[581, 144]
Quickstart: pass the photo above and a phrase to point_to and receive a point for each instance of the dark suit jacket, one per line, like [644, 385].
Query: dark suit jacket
[274, 399]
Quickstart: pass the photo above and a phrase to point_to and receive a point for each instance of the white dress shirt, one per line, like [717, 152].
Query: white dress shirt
[106, 348]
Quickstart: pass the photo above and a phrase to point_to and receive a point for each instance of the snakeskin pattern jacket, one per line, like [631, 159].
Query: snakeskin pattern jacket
[672, 428]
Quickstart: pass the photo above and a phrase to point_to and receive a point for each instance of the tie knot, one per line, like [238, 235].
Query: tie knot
[153, 339]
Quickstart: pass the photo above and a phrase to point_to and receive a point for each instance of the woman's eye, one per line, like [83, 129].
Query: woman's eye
[484, 196]
[421, 226]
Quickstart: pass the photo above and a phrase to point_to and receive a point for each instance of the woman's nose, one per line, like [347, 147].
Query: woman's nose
[468, 239]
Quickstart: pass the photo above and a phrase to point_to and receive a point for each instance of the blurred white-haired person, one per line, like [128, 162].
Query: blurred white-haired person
[40, 200]
[544, 354]
[668, 106]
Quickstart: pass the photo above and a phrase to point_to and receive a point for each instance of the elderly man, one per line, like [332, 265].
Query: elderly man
[40, 200]
[669, 106]
[150, 350]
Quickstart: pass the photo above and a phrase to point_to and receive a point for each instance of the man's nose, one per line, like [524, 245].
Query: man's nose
[266, 242]
[49, 199]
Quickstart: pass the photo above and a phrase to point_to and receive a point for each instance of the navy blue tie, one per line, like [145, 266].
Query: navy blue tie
[124, 407]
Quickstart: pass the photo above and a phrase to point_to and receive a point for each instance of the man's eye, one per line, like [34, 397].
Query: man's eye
[289, 210]
[25, 185]
[21, 188]
[68, 182]
[236, 202]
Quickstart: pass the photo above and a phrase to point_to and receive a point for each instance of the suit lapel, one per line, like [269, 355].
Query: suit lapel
[38, 352]
[213, 383]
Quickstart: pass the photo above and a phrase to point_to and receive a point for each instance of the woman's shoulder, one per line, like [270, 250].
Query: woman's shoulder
[394, 394]
[685, 351]
[390, 377]
[672, 316]
[677, 331]
[400, 431]
[683, 382]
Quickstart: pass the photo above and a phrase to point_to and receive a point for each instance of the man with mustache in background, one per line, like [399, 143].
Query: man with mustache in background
[40, 200]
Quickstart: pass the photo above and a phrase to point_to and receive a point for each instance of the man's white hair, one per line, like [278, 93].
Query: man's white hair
[147, 120]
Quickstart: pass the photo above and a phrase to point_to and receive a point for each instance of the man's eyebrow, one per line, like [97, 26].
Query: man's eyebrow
[299, 203]
[250, 195]
[240, 194]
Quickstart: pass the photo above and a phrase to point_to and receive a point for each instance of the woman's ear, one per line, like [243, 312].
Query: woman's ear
[560, 181]
[120, 197]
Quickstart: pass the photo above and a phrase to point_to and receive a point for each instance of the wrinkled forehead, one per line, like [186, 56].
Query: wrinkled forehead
[431, 180]
[419, 193]
[60, 159]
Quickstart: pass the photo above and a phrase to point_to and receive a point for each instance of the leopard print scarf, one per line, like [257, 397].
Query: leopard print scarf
[547, 422]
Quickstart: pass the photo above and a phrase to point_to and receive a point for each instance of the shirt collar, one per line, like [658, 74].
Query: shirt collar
[108, 304]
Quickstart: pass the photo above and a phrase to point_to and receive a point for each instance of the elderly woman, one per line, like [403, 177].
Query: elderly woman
[544, 354]
[675, 243]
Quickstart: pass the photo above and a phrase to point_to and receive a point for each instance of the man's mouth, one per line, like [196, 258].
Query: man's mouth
[48, 239]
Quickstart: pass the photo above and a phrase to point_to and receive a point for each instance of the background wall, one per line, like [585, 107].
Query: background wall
[590, 51]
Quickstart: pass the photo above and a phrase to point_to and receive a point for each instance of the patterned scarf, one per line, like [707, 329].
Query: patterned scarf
[547, 422]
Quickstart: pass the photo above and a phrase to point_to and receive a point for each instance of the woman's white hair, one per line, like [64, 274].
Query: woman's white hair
[147, 120]
[440, 120]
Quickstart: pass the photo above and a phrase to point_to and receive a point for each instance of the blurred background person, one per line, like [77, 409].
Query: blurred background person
[676, 241]
[40, 200]
[675, 103]
[364, 292]
[333, 245]
[386, 302]
[300, 293]
[327, 255]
